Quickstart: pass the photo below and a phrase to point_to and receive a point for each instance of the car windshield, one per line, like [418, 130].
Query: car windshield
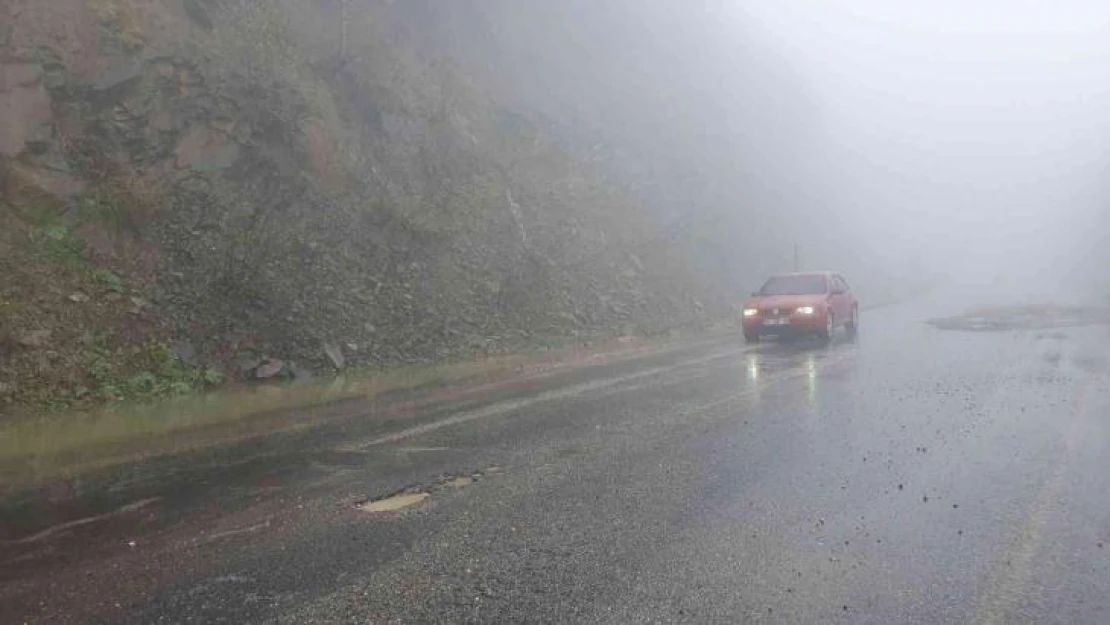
[795, 285]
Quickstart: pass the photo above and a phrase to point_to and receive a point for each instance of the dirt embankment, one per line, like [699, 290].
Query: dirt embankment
[195, 192]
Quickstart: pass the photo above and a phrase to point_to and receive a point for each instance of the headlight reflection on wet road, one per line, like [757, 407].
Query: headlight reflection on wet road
[761, 370]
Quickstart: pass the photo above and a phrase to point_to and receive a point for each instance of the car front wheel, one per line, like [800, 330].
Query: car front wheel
[826, 333]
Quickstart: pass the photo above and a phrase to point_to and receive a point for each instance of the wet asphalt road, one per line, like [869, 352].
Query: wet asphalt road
[909, 475]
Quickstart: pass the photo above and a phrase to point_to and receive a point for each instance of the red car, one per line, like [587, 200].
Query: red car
[801, 303]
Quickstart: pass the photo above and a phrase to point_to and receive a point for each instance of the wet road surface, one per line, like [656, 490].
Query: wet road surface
[911, 474]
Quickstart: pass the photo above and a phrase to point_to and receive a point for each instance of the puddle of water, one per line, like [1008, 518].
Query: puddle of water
[413, 496]
[394, 503]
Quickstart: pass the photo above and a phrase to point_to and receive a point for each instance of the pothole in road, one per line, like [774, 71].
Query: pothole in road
[394, 503]
[1046, 317]
[416, 494]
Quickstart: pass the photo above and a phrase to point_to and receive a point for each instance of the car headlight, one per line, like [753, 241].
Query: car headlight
[750, 312]
[806, 310]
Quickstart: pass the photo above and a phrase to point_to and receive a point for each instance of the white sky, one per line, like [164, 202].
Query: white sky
[974, 130]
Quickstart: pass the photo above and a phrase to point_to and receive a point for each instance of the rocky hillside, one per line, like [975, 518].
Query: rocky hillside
[201, 190]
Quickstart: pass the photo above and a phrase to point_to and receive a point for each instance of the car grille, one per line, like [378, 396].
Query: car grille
[774, 313]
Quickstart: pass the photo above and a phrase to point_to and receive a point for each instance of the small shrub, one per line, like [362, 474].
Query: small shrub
[109, 279]
[167, 362]
[213, 378]
[56, 232]
[142, 383]
[109, 392]
[179, 388]
[58, 243]
[100, 369]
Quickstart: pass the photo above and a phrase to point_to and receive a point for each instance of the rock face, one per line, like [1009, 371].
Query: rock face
[265, 188]
[118, 72]
[35, 339]
[335, 355]
[270, 368]
[186, 352]
[27, 114]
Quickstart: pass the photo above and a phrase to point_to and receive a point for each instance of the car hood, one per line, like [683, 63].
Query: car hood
[785, 301]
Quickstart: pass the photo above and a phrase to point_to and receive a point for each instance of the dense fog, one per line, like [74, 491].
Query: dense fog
[961, 140]
[970, 135]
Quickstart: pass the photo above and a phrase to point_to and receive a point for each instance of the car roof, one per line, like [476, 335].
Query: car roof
[805, 273]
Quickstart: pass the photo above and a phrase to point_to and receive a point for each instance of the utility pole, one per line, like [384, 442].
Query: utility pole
[796, 254]
[344, 8]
